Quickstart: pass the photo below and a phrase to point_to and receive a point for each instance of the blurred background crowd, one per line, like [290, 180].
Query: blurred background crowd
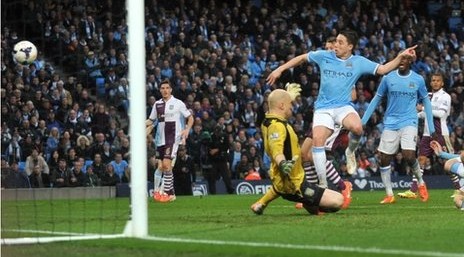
[64, 117]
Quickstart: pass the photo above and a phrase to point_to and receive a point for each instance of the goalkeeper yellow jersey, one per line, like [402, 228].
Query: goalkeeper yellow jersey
[280, 138]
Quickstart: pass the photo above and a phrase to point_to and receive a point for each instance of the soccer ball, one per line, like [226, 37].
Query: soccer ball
[25, 52]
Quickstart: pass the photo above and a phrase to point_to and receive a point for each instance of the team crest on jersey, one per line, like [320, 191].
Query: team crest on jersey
[274, 136]
[349, 64]
[412, 85]
[171, 107]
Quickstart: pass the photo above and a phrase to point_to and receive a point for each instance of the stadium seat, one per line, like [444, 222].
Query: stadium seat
[87, 164]
[22, 166]
[100, 82]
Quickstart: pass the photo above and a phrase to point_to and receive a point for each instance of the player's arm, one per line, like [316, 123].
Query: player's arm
[428, 114]
[370, 109]
[437, 149]
[393, 64]
[272, 78]
[150, 122]
[276, 137]
[186, 131]
[440, 112]
[152, 117]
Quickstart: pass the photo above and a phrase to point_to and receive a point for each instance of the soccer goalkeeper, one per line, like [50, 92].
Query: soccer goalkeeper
[287, 175]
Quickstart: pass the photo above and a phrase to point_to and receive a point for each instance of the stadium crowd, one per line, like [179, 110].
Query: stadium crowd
[64, 117]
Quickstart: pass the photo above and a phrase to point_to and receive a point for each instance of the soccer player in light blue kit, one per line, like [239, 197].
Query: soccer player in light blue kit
[454, 164]
[404, 89]
[340, 70]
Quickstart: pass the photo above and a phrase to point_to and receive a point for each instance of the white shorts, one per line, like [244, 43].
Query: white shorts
[330, 141]
[392, 139]
[329, 117]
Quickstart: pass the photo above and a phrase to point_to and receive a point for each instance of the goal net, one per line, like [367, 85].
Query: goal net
[63, 90]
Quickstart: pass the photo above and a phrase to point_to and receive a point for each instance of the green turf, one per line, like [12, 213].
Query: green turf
[224, 226]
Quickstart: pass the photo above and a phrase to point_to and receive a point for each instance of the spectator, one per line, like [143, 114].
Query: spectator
[36, 161]
[235, 157]
[120, 166]
[77, 177]
[54, 160]
[110, 178]
[60, 175]
[83, 147]
[38, 178]
[98, 167]
[243, 167]
[53, 141]
[12, 177]
[14, 152]
[184, 172]
[194, 146]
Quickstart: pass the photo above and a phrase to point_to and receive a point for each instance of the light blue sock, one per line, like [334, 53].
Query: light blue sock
[158, 177]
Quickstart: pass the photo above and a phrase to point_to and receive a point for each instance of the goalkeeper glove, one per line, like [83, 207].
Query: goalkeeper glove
[286, 166]
[293, 89]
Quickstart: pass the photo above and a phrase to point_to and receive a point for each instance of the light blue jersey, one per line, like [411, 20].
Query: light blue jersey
[403, 94]
[338, 77]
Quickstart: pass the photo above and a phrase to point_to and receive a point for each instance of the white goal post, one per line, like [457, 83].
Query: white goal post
[138, 223]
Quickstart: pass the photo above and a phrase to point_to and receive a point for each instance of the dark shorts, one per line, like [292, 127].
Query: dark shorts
[311, 194]
[424, 145]
[165, 151]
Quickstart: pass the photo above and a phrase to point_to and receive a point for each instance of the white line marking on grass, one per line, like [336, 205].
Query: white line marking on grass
[64, 236]
[333, 248]
[69, 236]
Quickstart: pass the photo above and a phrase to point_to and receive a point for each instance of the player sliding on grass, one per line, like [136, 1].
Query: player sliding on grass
[286, 172]
[340, 70]
[169, 114]
[454, 165]
[403, 88]
[345, 187]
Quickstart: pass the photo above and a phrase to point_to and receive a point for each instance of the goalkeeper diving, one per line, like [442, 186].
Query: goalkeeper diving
[286, 172]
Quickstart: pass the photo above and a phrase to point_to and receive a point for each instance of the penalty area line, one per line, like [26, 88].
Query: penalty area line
[334, 248]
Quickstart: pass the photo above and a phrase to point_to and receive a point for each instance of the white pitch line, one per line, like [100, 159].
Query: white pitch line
[333, 248]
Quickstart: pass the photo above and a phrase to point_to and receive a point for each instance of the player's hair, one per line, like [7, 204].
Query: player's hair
[166, 81]
[438, 74]
[351, 37]
[331, 39]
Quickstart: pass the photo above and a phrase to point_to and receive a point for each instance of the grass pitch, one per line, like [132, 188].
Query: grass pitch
[223, 225]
